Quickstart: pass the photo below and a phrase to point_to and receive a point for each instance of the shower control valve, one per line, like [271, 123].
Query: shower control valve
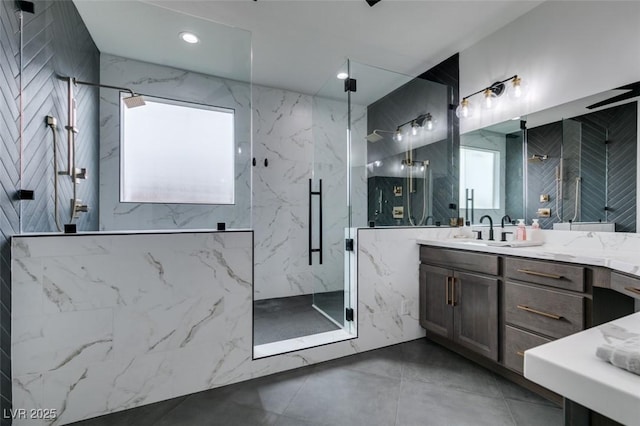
[77, 207]
[81, 173]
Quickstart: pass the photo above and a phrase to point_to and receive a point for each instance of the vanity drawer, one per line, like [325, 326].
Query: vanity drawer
[568, 277]
[517, 341]
[545, 311]
[465, 260]
[625, 284]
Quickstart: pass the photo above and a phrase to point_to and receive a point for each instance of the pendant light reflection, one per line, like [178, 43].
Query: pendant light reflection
[398, 135]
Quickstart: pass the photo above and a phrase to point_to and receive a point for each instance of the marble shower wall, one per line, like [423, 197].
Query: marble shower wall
[283, 136]
[166, 82]
[102, 323]
[302, 137]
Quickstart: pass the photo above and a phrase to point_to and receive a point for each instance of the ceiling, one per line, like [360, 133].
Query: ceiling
[297, 45]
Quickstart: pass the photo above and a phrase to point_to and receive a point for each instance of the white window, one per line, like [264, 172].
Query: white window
[176, 152]
[480, 171]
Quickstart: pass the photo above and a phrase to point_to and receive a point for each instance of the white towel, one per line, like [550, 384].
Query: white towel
[625, 354]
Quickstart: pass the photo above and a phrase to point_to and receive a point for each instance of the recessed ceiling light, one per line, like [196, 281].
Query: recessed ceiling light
[342, 75]
[188, 37]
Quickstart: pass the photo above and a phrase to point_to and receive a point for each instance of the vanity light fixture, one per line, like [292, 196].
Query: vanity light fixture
[423, 121]
[188, 37]
[513, 85]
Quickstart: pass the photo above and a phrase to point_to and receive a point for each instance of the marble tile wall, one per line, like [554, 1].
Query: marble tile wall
[166, 82]
[108, 322]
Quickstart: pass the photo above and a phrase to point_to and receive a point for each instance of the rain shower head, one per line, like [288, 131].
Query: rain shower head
[375, 136]
[134, 101]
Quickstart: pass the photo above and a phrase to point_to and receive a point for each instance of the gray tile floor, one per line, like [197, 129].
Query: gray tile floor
[288, 317]
[415, 383]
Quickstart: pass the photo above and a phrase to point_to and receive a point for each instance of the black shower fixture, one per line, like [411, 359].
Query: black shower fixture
[372, 2]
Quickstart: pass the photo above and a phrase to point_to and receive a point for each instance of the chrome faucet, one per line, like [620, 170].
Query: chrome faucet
[426, 221]
[490, 225]
[506, 216]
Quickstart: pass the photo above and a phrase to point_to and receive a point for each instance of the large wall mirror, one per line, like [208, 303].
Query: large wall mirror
[572, 167]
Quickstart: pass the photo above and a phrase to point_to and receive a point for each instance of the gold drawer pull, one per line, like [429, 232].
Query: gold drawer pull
[540, 274]
[633, 290]
[520, 353]
[535, 311]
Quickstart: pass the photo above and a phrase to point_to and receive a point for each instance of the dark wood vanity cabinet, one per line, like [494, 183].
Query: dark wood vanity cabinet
[543, 301]
[461, 305]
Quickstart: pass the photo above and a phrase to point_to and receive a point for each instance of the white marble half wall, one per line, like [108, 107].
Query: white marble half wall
[106, 322]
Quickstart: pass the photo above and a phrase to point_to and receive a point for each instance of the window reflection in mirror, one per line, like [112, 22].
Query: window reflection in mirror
[491, 173]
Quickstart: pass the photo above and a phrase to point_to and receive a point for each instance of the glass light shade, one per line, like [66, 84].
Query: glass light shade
[398, 135]
[414, 129]
[518, 89]
[488, 101]
[428, 124]
[465, 109]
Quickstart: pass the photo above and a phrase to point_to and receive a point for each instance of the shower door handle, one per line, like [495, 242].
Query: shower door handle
[318, 194]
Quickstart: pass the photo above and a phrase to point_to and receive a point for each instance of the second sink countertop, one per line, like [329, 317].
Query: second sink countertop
[622, 261]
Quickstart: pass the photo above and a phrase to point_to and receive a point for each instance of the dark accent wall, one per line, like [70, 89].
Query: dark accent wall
[621, 124]
[9, 172]
[447, 72]
[55, 43]
[403, 104]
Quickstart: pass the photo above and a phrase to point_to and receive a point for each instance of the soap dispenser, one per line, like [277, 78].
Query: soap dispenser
[521, 231]
[535, 234]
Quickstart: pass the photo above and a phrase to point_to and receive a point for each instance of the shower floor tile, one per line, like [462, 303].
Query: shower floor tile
[289, 317]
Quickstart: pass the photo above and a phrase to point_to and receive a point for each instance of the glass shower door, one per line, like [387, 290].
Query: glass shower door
[329, 200]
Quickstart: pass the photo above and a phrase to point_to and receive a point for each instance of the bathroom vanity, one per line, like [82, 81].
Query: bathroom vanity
[492, 304]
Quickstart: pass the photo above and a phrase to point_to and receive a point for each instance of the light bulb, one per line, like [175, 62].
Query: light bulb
[517, 88]
[378, 163]
[429, 123]
[398, 135]
[342, 75]
[402, 166]
[422, 168]
[414, 128]
[488, 101]
[465, 109]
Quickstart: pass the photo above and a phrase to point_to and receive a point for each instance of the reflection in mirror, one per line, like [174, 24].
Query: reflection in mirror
[590, 176]
[491, 173]
[409, 156]
[573, 168]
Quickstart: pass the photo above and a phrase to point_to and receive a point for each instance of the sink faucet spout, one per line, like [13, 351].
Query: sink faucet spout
[490, 225]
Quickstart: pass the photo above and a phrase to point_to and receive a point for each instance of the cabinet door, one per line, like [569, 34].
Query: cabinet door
[436, 314]
[476, 313]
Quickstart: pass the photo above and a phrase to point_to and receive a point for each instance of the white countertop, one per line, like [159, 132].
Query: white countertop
[569, 366]
[616, 251]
